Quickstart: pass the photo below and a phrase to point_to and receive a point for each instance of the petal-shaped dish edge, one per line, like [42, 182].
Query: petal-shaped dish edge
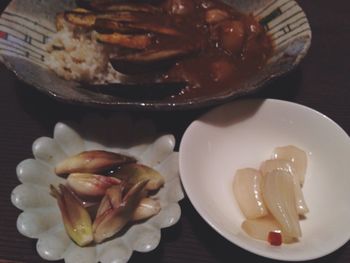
[158, 151]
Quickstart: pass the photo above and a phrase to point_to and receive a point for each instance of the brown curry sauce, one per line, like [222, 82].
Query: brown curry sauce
[232, 47]
[216, 46]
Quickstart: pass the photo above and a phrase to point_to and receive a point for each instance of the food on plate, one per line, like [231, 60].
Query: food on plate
[279, 197]
[116, 210]
[147, 208]
[104, 192]
[285, 165]
[86, 184]
[260, 228]
[92, 162]
[247, 189]
[296, 156]
[206, 45]
[134, 172]
[76, 218]
[271, 198]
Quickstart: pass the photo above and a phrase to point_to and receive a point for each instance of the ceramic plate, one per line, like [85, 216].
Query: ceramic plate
[41, 217]
[27, 25]
[243, 134]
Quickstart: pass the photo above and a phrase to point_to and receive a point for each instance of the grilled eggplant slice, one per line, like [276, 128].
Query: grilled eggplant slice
[110, 25]
[109, 5]
[129, 41]
[86, 19]
[152, 56]
[60, 20]
[129, 7]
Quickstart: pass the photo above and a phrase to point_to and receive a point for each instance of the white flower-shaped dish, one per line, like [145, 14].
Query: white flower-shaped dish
[41, 218]
[243, 134]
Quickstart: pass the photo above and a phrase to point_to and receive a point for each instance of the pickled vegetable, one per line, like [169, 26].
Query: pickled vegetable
[296, 156]
[271, 198]
[279, 197]
[247, 190]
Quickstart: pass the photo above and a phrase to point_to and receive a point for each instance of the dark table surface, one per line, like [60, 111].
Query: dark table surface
[322, 82]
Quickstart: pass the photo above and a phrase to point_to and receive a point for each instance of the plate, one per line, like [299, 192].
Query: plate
[243, 134]
[41, 218]
[27, 25]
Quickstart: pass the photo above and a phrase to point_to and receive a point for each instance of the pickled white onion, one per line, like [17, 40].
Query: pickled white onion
[297, 156]
[259, 228]
[279, 196]
[287, 166]
[247, 190]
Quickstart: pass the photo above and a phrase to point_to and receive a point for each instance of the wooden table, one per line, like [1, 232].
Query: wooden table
[322, 82]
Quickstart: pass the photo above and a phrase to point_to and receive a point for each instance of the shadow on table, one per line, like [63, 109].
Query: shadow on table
[286, 87]
[46, 112]
[229, 114]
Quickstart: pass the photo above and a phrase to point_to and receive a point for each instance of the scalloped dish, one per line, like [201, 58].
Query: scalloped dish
[41, 218]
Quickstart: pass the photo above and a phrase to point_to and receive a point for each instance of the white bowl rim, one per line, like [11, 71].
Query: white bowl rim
[195, 202]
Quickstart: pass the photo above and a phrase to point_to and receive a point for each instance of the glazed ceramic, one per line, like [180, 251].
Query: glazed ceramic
[40, 217]
[26, 26]
[243, 134]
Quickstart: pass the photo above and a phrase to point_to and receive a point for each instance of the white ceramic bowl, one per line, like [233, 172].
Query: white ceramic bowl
[243, 134]
[41, 217]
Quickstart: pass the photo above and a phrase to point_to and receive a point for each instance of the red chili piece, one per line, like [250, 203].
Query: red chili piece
[3, 34]
[274, 238]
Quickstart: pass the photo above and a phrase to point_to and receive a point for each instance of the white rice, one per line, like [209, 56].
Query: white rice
[79, 57]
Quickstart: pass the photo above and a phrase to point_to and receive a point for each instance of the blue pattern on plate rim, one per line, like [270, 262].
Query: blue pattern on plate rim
[26, 26]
